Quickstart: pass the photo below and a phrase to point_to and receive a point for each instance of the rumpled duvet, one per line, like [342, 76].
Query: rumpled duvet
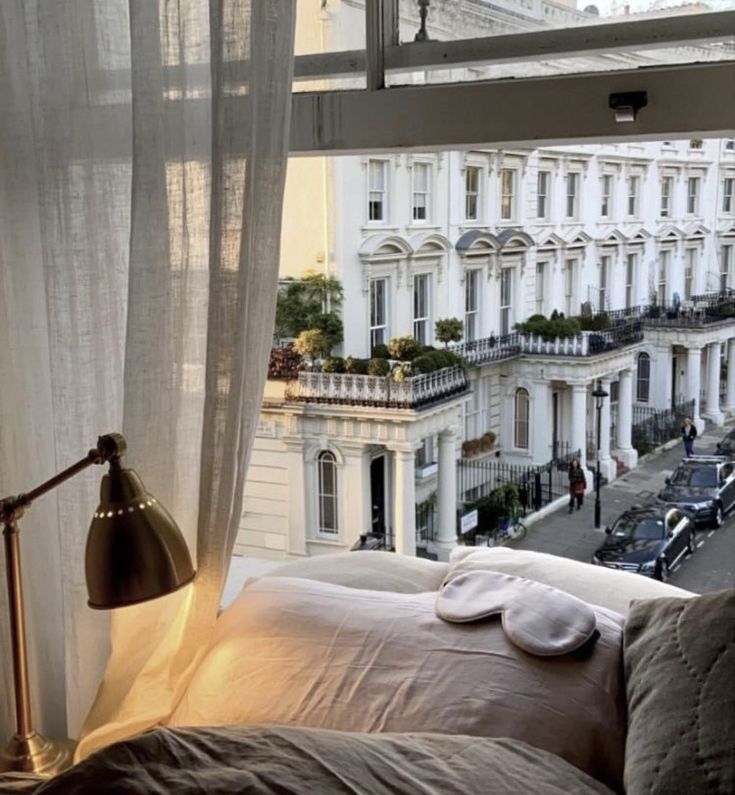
[278, 759]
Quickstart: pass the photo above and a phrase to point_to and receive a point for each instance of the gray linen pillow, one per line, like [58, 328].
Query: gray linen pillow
[679, 658]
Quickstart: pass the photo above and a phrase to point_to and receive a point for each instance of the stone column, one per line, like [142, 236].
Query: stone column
[694, 375]
[607, 465]
[299, 474]
[446, 536]
[625, 451]
[713, 412]
[578, 438]
[357, 514]
[540, 420]
[404, 501]
[730, 394]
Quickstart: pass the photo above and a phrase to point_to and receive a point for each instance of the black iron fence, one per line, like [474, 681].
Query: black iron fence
[532, 486]
[653, 427]
[426, 517]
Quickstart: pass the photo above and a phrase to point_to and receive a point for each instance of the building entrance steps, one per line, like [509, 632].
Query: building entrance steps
[574, 535]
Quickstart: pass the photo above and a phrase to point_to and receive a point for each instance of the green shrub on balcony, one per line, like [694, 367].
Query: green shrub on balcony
[334, 364]
[725, 309]
[356, 366]
[405, 349]
[449, 329]
[312, 343]
[435, 360]
[378, 367]
[550, 328]
[598, 322]
[380, 352]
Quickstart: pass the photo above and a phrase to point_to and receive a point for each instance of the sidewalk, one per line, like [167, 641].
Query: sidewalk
[574, 536]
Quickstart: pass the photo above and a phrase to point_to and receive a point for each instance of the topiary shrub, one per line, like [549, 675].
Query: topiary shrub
[356, 366]
[550, 328]
[380, 352]
[598, 322]
[449, 329]
[404, 348]
[378, 367]
[334, 364]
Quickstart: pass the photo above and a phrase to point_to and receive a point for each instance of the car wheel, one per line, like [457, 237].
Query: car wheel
[691, 543]
[719, 518]
[662, 570]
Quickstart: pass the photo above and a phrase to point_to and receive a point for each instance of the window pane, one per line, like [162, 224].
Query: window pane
[521, 419]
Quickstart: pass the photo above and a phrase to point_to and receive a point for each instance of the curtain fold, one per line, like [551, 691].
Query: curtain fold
[143, 156]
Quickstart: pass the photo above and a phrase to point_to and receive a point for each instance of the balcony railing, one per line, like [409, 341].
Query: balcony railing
[586, 343]
[373, 390]
[699, 310]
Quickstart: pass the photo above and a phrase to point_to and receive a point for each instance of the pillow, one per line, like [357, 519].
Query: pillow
[680, 680]
[300, 652]
[596, 584]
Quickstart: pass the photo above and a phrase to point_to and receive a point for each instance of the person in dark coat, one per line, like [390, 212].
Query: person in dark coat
[688, 434]
[577, 485]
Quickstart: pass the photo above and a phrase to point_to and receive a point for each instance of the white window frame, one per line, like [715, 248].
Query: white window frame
[690, 267]
[521, 419]
[507, 277]
[378, 195]
[631, 267]
[634, 187]
[693, 184]
[542, 270]
[327, 459]
[604, 285]
[379, 332]
[643, 379]
[570, 285]
[663, 266]
[728, 195]
[472, 304]
[472, 412]
[607, 192]
[508, 193]
[421, 195]
[571, 209]
[422, 315]
[473, 196]
[667, 185]
[726, 263]
[543, 196]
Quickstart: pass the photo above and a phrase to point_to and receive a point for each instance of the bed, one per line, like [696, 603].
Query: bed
[500, 672]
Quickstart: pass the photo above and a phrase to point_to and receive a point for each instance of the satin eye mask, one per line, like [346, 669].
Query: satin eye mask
[537, 618]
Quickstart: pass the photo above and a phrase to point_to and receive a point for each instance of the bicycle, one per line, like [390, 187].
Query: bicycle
[510, 528]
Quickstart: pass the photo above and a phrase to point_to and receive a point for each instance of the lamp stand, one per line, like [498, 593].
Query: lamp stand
[27, 751]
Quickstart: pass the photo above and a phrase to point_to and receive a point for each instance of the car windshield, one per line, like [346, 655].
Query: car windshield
[705, 477]
[637, 528]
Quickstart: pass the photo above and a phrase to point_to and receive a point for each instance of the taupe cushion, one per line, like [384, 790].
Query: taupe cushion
[679, 659]
[378, 571]
[300, 652]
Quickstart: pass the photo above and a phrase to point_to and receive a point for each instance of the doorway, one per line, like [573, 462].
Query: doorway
[377, 496]
[674, 381]
[554, 425]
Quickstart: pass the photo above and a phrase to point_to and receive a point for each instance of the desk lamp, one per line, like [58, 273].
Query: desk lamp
[135, 552]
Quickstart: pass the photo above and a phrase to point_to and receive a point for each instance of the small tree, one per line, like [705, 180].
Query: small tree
[450, 329]
[311, 343]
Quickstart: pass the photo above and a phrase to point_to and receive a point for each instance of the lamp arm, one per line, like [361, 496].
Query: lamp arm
[109, 447]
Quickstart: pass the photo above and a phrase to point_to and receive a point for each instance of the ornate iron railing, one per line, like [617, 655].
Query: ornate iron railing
[373, 390]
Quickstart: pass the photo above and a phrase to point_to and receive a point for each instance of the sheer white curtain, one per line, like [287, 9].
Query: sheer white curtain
[142, 159]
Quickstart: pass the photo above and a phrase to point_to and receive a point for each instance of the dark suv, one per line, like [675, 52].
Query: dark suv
[647, 540]
[727, 445]
[703, 486]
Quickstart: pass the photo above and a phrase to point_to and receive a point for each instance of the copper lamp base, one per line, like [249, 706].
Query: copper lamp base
[37, 754]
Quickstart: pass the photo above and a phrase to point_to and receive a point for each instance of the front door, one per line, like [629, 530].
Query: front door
[555, 425]
[377, 495]
[674, 382]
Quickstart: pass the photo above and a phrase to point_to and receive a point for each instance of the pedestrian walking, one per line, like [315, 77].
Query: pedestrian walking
[688, 434]
[577, 485]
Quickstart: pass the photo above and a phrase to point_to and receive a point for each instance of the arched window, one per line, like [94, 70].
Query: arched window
[643, 382]
[520, 437]
[327, 465]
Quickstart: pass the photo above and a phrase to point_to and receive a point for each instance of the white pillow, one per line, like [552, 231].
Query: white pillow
[301, 652]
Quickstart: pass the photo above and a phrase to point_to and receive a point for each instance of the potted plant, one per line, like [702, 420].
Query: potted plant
[449, 329]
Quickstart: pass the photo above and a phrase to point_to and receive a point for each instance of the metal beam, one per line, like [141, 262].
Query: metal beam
[535, 45]
[683, 101]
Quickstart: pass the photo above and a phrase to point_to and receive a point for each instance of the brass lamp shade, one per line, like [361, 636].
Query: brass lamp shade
[135, 550]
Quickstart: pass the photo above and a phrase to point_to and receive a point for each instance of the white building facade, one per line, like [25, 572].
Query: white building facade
[642, 232]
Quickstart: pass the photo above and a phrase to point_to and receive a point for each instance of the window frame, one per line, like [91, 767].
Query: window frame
[476, 194]
[663, 270]
[570, 286]
[690, 266]
[383, 191]
[728, 196]
[631, 266]
[726, 263]
[326, 458]
[421, 325]
[373, 327]
[421, 166]
[543, 199]
[693, 196]
[606, 196]
[571, 208]
[603, 292]
[472, 313]
[507, 277]
[665, 208]
[521, 419]
[633, 199]
[542, 268]
[508, 200]
[643, 379]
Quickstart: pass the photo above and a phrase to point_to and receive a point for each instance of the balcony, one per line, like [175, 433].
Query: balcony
[415, 392]
[698, 311]
[628, 331]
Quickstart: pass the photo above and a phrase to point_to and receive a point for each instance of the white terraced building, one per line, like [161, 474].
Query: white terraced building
[644, 232]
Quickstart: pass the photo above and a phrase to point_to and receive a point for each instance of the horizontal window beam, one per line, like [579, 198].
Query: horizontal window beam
[531, 46]
[683, 101]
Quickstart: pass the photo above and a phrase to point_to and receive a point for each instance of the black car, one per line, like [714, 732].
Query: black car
[727, 445]
[647, 541]
[703, 486]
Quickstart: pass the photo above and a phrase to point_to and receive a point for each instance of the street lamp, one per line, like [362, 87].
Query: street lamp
[599, 395]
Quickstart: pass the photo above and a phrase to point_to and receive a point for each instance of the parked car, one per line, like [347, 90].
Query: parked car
[703, 486]
[647, 540]
[727, 445]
